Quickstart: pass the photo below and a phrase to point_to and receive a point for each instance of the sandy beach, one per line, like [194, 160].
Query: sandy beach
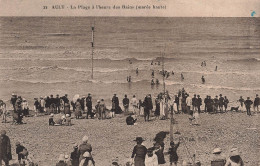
[112, 138]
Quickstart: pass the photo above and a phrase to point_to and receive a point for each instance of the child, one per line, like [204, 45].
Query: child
[22, 152]
[51, 121]
[68, 120]
[173, 153]
[150, 158]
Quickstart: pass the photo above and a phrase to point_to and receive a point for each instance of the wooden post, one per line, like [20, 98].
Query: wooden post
[92, 54]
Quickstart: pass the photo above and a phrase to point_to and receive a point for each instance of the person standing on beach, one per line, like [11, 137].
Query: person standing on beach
[241, 101]
[115, 104]
[206, 103]
[226, 103]
[221, 103]
[248, 104]
[57, 103]
[148, 105]
[52, 105]
[199, 103]
[256, 103]
[173, 153]
[189, 103]
[126, 104]
[13, 100]
[139, 152]
[78, 110]
[157, 109]
[210, 105]
[36, 106]
[134, 104]
[194, 102]
[89, 106]
[177, 102]
[216, 104]
[5, 148]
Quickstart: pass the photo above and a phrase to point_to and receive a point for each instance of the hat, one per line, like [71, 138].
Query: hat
[75, 145]
[67, 115]
[66, 156]
[62, 157]
[217, 150]
[3, 132]
[51, 115]
[86, 154]
[98, 101]
[13, 94]
[234, 152]
[85, 139]
[63, 117]
[139, 139]
[41, 97]
[17, 143]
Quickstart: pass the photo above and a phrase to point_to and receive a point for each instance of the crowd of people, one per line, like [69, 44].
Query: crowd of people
[181, 103]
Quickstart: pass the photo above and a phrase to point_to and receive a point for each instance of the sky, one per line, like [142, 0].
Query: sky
[174, 8]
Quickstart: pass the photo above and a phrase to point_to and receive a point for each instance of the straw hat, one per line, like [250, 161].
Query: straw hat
[217, 150]
[98, 101]
[234, 152]
[66, 156]
[86, 154]
[51, 115]
[67, 115]
[61, 157]
[85, 139]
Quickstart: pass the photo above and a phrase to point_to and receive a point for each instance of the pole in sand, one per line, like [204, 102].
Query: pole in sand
[92, 53]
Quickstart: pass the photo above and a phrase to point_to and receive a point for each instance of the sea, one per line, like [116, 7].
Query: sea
[40, 56]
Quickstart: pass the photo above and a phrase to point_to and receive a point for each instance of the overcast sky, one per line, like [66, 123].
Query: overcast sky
[174, 8]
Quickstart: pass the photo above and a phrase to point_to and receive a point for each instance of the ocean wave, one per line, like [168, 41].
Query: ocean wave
[91, 81]
[224, 87]
[246, 60]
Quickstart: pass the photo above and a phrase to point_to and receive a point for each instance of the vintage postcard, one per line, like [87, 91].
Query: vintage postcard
[129, 82]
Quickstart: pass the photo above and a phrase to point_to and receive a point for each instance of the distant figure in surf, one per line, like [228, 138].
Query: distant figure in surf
[182, 77]
[172, 73]
[216, 68]
[130, 62]
[152, 63]
[167, 75]
[204, 63]
[152, 82]
[203, 80]
[153, 73]
[128, 78]
[157, 82]
[136, 71]
[158, 63]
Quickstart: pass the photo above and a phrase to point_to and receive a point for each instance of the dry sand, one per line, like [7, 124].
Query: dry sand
[112, 138]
